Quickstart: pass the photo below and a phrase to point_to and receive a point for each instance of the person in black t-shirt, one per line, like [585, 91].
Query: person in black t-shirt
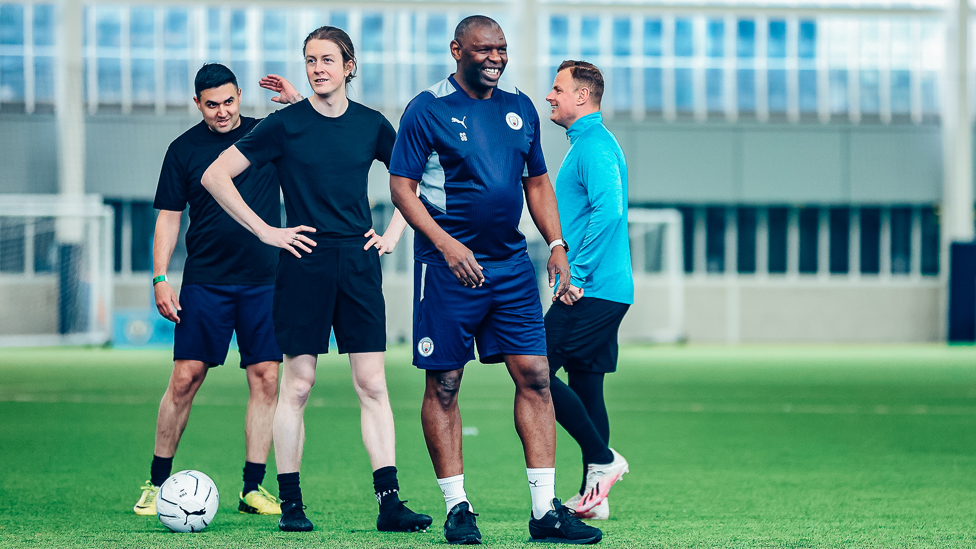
[322, 149]
[227, 286]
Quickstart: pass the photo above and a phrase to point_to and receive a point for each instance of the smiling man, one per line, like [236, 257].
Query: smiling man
[473, 149]
[227, 286]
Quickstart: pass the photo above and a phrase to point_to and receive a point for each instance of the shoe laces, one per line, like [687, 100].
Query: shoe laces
[149, 492]
[567, 515]
[266, 494]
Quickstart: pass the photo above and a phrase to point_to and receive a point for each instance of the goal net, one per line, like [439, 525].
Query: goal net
[657, 252]
[55, 270]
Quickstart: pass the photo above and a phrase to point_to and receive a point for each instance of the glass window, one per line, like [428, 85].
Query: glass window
[808, 90]
[45, 249]
[684, 43]
[715, 38]
[778, 227]
[238, 30]
[715, 240]
[809, 239]
[688, 233]
[372, 35]
[870, 91]
[371, 83]
[44, 79]
[12, 24]
[807, 40]
[840, 238]
[901, 240]
[930, 241]
[43, 25]
[437, 34]
[684, 90]
[746, 240]
[11, 78]
[930, 92]
[715, 89]
[214, 36]
[339, 19]
[776, 42]
[746, 88]
[652, 89]
[870, 240]
[143, 225]
[143, 81]
[175, 29]
[590, 37]
[901, 92]
[559, 35]
[838, 91]
[276, 30]
[109, 80]
[776, 80]
[108, 27]
[745, 44]
[142, 23]
[12, 245]
[178, 90]
[622, 88]
[621, 37]
[652, 37]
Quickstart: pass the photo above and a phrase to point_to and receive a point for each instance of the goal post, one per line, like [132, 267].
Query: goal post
[657, 255]
[56, 270]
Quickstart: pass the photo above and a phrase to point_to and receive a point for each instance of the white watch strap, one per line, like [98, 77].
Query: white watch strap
[557, 242]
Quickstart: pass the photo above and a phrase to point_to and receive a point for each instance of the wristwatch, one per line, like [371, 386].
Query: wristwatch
[558, 242]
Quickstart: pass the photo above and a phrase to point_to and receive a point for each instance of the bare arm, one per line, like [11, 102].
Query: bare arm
[459, 258]
[219, 180]
[541, 200]
[164, 242]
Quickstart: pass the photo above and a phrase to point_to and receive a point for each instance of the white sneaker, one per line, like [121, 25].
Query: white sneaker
[600, 512]
[600, 478]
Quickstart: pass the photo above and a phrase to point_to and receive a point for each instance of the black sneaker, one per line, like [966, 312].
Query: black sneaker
[293, 517]
[397, 517]
[561, 526]
[460, 527]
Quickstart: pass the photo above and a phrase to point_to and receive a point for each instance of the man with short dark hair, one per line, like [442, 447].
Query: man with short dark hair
[473, 148]
[227, 286]
[582, 331]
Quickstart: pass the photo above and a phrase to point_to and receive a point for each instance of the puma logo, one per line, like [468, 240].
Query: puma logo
[461, 121]
[534, 483]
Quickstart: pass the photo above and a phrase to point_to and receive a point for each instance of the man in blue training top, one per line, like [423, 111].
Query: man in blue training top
[582, 331]
[473, 148]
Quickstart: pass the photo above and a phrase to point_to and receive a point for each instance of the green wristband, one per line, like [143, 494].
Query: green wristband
[158, 279]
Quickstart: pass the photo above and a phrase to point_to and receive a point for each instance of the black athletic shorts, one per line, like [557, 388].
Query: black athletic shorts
[338, 286]
[583, 336]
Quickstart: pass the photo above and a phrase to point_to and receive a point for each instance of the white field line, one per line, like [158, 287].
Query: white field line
[671, 407]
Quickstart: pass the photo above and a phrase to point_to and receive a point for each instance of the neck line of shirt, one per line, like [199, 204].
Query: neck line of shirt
[582, 124]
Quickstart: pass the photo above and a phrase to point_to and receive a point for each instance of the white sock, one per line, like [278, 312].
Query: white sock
[542, 487]
[453, 490]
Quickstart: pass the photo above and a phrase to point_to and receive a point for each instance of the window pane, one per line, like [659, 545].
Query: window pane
[683, 38]
[238, 30]
[714, 89]
[901, 92]
[777, 90]
[143, 223]
[688, 232]
[746, 87]
[652, 89]
[838, 91]
[43, 25]
[12, 245]
[777, 240]
[44, 248]
[776, 43]
[747, 240]
[809, 239]
[109, 80]
[840, 237]
[870, 240]
[108, 27]
[684, 90]
[559, 36]
[11, 78]
[870, 92]
[808, 91]
[930, 242]
[141, 26]
[371, 83]
[715, 240]
[930, 93]
[175, 33]
[745, 44]
[213, 32]
[808, 40]
[44, 79]
[143, 81]
[652, 37]
[178, 83]
[12, 24]
[372, 35]
[275, 30]
[621, 36]
[622, 88]
[590, 37]
[901, 240]
[715, 38]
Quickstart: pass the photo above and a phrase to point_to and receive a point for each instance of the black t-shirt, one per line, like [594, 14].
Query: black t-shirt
[323, 164]
[219, 249]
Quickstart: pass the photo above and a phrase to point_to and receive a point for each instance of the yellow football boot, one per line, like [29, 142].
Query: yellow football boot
[259, 502]
[147, 502]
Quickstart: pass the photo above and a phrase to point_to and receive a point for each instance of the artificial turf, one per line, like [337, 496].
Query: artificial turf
[728, 447]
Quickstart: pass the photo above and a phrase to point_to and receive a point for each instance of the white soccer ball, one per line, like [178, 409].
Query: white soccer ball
[187, 501]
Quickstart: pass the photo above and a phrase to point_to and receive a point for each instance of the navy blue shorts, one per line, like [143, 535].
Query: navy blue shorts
[212, 313]
[503, 316]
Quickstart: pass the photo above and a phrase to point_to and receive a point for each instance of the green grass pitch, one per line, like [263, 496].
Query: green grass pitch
[833, 447]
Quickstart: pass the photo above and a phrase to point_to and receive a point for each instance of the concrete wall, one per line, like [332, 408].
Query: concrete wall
[683, 162]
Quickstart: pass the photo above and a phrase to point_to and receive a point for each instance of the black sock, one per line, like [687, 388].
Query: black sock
[289, 488]
[253, 476]
[573, 416]
[386, 486]
[160, 470]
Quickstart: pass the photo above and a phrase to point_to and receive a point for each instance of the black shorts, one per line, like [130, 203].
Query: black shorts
[583, 336]
[338, 286]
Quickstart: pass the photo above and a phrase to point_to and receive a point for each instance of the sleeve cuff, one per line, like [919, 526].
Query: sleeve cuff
[576, 281]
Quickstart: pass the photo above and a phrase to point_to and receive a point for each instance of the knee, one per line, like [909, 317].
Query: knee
[535, 379]
[444, 388]
[264, 381]
[372, 389]
[185, 382]
[298, 389]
